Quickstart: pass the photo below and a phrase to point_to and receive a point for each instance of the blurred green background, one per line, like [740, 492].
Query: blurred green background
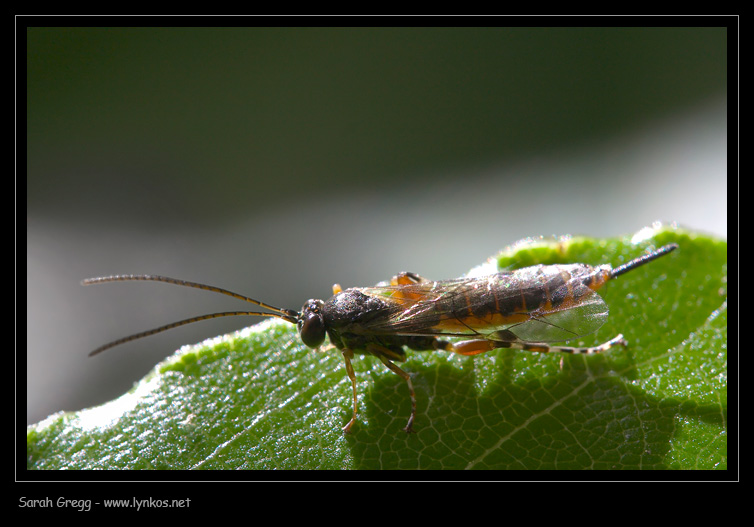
[278, 161]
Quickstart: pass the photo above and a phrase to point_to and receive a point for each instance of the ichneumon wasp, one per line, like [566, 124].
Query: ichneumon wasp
[522, 309]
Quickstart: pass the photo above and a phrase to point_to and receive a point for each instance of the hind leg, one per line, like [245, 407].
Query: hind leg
[475, 347]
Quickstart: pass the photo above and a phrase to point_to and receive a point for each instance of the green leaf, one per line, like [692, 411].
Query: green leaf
[259, 399]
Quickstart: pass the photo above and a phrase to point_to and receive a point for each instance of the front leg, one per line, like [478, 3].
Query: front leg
[347, 356]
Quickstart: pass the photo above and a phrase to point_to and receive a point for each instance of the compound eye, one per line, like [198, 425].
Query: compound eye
[312, 329]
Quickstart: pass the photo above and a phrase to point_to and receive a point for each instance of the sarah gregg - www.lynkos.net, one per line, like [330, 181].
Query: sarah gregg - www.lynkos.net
[85, 505]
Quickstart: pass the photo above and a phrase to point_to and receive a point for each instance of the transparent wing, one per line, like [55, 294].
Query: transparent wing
[446, 308]
[558, 325]
[417, 307]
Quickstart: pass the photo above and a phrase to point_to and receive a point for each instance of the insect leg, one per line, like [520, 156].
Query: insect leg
[405, 278]
[475, 347]
[406, 293]
[468, 347]
[544, 348]
[385, 354]
[395, 369]
[347, 356]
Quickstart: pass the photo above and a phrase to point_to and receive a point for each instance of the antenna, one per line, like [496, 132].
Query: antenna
[286, 314]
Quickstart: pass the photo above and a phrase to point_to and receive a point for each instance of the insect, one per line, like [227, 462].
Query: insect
[522, 309]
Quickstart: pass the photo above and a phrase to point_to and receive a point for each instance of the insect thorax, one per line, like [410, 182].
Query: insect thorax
[348, 315]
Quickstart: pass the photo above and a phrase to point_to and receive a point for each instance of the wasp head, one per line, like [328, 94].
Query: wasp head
[311, 325]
